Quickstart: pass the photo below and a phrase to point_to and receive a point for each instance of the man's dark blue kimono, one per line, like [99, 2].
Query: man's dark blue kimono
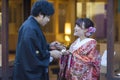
[32, 55]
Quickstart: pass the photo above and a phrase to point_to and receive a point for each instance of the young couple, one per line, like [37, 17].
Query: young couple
[33, 52]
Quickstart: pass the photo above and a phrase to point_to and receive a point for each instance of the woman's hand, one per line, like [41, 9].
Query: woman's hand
[65, 52]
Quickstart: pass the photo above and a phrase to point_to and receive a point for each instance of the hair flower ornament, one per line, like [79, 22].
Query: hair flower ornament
[90, 31]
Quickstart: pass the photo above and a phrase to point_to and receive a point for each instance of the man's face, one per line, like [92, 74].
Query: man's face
[44, 20]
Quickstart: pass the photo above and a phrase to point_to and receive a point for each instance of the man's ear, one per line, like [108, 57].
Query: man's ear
[41, 16]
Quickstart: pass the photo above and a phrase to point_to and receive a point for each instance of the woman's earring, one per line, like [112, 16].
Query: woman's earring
[83, 25]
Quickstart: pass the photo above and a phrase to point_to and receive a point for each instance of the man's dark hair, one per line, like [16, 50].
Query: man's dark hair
[42, 7]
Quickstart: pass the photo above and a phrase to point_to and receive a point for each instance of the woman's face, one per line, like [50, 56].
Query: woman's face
[78, 31]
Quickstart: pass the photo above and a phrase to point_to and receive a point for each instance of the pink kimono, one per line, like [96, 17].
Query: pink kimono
[83, 63]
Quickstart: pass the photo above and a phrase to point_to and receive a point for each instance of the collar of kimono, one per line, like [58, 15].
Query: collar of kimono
[78, 51]
[81, 44]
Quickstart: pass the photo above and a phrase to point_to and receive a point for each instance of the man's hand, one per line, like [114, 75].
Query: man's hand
[57, 45]
[53, 45]
[55, 53]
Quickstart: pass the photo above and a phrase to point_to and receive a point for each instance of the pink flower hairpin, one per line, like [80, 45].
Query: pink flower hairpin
[90, 31]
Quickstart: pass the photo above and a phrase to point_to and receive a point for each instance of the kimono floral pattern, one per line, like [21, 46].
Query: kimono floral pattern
[84, 62]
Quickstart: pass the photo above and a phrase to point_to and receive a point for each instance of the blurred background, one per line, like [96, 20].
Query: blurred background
[60, 28]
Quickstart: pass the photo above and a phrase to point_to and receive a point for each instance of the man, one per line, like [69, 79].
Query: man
[32, 53]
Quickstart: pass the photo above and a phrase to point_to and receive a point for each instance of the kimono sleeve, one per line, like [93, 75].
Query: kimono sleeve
[88, 51]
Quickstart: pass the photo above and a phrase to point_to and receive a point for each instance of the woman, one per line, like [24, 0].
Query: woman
[83, 61]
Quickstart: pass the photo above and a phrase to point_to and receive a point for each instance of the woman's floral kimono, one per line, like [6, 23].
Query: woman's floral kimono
[84, 63]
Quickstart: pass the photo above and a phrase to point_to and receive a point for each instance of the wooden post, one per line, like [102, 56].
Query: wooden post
[83, 8]
[110, 39]
[4, 39]
[26, 8]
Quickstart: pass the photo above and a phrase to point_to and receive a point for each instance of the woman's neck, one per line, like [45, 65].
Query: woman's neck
[82, 37]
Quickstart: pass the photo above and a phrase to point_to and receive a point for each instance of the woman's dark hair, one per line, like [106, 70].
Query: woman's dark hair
[42, 7]
[87, 22]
